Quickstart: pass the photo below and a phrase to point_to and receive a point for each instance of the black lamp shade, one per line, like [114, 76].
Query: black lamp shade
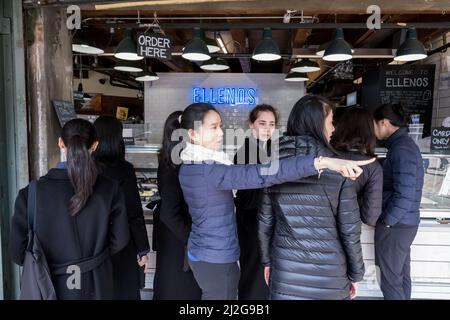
[411, 49]
[339, 49]
[127, 49]
[82, 45]
[305, 65]
[267, 49]
[196, 49]
[215, 64]
[212, 45]
[296, 77]
[128, 66]
[147, 76]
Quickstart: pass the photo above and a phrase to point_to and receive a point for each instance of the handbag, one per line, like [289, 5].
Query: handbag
[36, 281]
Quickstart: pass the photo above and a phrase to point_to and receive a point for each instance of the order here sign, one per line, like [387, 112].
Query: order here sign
[153, 45]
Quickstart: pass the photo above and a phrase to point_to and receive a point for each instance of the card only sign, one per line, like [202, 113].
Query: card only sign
[440, 140]
[154, 45]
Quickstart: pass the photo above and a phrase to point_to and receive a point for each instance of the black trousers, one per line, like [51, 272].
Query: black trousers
[218, 281]
[392, 256]
[252, 285]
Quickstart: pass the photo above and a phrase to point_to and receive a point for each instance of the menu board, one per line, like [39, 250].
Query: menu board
[440, 140]
[65, 111]
[412, 86]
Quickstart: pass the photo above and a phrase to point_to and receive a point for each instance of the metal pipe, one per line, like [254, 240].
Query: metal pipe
[278, 26]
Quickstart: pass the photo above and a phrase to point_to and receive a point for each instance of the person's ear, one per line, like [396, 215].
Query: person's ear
[93, 147]
[251, 125]
[192, 135]
[61, 144]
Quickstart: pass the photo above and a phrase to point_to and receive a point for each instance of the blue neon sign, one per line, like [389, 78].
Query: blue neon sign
[224, 96]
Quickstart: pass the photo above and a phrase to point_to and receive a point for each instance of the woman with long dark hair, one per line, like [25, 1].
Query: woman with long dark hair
[355, 139]
[110, 157]
[173, 280]
[80, 217]
[262, 121]
[310, 228]
[402, 193]
[207, 178]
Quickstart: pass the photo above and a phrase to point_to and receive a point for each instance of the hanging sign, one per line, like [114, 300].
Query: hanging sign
[154, 45]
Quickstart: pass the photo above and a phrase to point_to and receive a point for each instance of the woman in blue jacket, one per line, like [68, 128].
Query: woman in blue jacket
[402, 191]
[207, 178]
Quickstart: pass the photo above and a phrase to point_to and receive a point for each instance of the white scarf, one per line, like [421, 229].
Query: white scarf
[198, 154]
[194, 153]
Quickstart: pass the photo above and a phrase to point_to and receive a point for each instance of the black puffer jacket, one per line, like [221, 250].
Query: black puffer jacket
[310, 232]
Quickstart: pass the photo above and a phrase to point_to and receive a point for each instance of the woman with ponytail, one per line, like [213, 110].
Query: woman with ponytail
[172, 224]
[80, 219]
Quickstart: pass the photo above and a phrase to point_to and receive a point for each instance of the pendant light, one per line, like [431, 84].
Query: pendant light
[215, 64]
[82, 45]
[212, 45]
[127, 48]
[411, 49]
[196, 49]
[339, 49]
[128, 66]
[296, 77]
[267, 49]
[305, 65]
[147, 76]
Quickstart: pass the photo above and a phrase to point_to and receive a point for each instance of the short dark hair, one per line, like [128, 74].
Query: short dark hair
[254, 114]
[393, 112]
[307, 118]
[355, 130]
[111, 147]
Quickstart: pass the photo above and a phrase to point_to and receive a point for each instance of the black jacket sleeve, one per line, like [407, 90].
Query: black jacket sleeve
[372, 196]
[172, 200]
[119, 232]
[136, 221]
[349, 228]
[18, 238]
[266, 223]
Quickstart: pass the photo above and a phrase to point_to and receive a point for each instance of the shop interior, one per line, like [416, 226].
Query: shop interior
[290, 51]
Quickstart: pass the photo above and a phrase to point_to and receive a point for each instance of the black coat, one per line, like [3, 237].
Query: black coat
[310, 232]
[127, 274]
[99, 226]
[369, 188]
[171, 231]
[252, 285]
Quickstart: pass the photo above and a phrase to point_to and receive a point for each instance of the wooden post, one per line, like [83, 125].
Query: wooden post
[49, 77]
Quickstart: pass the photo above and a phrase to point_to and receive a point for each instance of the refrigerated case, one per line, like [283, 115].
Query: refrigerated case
[430, 253]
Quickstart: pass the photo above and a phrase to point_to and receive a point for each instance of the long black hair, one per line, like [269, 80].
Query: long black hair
[172, 123]
[392, 112]
[355, 131]
[78, 136]
[307, 118]
[186, 119]
[111, 147]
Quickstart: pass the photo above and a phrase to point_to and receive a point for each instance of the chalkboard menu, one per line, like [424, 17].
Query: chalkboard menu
[65, 111]
[440, 140]
[412, 86]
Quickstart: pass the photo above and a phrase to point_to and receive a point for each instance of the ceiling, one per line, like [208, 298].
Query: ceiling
[239, 23]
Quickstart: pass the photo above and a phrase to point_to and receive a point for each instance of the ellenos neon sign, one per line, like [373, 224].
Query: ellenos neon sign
[225, 96]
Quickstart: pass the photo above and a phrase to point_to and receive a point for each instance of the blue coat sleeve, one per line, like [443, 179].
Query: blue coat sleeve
[404, 174]
[257, 176]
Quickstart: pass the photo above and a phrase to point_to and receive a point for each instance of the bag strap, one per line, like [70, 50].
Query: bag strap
[31, 205]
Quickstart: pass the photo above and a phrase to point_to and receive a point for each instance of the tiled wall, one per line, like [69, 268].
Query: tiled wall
[173, 91]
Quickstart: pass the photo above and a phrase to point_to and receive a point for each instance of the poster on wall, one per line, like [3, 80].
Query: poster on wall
[413, 87]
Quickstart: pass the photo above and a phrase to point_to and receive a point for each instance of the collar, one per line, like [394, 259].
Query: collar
[198, 154]
[395, 136]
[61, 165]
